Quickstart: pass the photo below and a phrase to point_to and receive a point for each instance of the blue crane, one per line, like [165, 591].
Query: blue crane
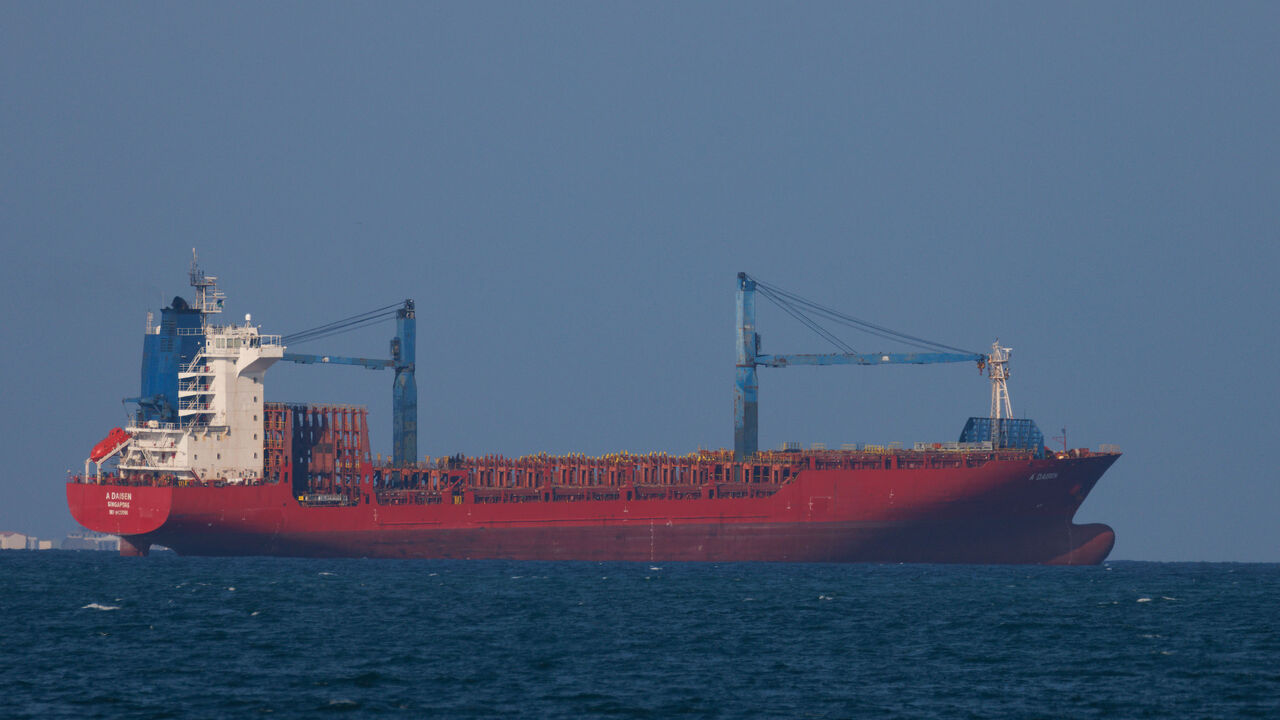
[746, 431]
[404, 393]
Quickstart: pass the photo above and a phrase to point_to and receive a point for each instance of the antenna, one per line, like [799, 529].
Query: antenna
[208, 297]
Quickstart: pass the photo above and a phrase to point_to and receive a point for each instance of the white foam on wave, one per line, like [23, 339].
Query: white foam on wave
[327, 573]
[1144, 599]
[98, 606]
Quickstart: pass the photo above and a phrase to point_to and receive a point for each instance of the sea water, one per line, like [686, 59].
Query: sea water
[91, 635]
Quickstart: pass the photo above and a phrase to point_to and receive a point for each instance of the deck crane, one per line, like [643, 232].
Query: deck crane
[745, 400]
[404, 394]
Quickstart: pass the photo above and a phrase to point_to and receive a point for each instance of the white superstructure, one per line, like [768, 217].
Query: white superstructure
[219, 433]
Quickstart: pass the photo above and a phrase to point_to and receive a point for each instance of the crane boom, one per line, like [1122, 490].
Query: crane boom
[866, 359]
[304, 359]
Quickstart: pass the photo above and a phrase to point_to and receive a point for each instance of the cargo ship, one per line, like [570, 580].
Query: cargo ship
[206, 466]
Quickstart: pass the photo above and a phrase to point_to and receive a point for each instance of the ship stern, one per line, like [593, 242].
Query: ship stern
[127, 511]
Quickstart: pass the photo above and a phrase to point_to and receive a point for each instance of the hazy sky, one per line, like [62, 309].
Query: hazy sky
[568, 189]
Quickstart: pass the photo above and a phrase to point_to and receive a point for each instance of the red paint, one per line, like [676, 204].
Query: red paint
[1010, 509]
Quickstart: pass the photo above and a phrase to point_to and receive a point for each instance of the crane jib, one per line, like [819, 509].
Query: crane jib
[867, 359]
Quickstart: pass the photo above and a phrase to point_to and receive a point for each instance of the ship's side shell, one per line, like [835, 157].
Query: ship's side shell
[1001, 512]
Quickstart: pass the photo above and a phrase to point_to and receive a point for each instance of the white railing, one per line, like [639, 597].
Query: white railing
[155, 425]
[198, 366]
[241, 336]
[231, 331]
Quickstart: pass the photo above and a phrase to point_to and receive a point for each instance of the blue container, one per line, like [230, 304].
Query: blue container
[1019, 433]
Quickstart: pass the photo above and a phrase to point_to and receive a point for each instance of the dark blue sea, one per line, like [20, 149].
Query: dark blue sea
[91, 635]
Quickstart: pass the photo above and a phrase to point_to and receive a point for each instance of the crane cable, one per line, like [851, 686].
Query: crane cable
[806, 320]
[337, 327]
[800, 308]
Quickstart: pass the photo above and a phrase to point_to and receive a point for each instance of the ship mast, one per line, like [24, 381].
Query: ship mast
[208, 297]
[998, 364]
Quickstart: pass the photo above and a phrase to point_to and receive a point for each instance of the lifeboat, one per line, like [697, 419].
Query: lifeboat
[111, 443]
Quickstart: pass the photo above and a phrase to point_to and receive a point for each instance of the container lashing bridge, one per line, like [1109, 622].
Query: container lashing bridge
[404, 394]
[746, 400]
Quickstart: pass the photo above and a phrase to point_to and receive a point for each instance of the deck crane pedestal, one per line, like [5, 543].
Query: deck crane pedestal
[745, 399]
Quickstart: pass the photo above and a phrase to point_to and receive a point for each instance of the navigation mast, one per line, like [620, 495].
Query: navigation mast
[998, 364]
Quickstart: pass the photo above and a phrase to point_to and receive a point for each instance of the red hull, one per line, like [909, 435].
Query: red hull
[1003, 511]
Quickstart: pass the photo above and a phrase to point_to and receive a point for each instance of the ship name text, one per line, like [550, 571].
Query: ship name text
[118, 503]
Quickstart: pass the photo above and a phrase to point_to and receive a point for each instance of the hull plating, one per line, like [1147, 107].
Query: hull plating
[1005, 511]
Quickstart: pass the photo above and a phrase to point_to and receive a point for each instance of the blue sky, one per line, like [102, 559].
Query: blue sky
[567, 190]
